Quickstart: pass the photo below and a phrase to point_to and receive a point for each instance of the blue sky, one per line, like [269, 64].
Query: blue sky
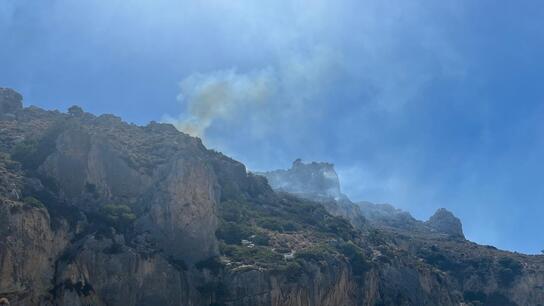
[421, 104]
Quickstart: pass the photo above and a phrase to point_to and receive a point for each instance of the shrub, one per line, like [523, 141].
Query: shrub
[31, 153]
[256, 255]
[271, 224]
[316, 253]
[356, 257]
[232, 233]
[33, 202]
[509, 269]
[119, 216]
[277, 224]
[261, 239]
[25, 151]
[293, 271]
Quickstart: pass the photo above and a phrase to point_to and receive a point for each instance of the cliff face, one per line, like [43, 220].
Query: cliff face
[317, 182]
[10, 101]
[313, 179]
[445, 222]
[95, 211]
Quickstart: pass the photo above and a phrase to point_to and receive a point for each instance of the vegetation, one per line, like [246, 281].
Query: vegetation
[354, 254]
[286, 214]
[316, 253]
[32, 152]
[119, 216]
[233, 233]
[509, 269]
[292, 271]
[252, 256]
[33, 202]
[261, 239]
[256, 218]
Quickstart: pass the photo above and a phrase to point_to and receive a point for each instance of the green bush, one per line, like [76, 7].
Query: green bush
[255, 255]
[120, 216]
[316, 253]
[277, 224]
[33, 202]
[292, 271]
[31, 153]
[261, 239]
[25, 153]
[272, 224]
[356, 257]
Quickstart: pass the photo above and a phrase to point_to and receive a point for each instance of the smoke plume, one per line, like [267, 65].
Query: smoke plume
[220, 95]
[255, 99]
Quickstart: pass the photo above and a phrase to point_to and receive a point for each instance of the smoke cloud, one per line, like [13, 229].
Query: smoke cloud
[220, 95]
[256, 100]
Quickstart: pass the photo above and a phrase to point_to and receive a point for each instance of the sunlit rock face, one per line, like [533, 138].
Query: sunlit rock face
[310, 180]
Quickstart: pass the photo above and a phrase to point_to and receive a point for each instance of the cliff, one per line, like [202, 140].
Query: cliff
[95, 211]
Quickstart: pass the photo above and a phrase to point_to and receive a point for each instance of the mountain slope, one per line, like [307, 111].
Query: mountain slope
[95, 211]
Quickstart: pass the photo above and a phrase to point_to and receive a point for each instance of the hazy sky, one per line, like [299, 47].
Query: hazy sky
[421, 104]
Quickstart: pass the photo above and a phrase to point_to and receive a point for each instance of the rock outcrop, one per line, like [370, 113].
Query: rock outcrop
[445, 222]
[10, 101]
[311, 180]
[316, 181]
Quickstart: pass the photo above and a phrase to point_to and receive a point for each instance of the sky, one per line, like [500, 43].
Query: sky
[421, 104]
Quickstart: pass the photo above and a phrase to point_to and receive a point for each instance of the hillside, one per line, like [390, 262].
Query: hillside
[96, 211]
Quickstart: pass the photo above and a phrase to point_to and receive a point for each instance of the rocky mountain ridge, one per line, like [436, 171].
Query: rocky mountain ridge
[95, 211]
[318, 181]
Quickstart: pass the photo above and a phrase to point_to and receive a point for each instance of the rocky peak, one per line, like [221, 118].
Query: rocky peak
[10, 101]
[76, 111]
[446, 222]
[316, 179]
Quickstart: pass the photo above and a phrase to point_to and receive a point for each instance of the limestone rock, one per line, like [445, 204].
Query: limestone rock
[317, 181]
[445, 222]
[312, 179]
[10, 101]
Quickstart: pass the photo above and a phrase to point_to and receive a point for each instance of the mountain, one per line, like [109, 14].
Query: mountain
[318, 181]
[96, 211]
